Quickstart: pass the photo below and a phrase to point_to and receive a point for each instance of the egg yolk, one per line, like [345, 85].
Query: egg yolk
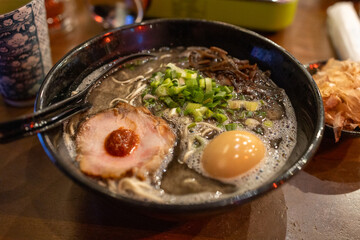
[232, 153]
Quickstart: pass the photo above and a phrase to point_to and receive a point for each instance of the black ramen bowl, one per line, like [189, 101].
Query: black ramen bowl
[286, 72]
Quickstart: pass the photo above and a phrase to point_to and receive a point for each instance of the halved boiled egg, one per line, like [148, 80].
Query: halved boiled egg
[232, 153]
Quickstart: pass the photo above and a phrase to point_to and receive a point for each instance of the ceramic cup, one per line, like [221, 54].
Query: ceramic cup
[25, 56]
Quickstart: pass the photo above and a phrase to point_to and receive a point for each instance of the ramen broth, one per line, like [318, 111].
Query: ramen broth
[181, 177]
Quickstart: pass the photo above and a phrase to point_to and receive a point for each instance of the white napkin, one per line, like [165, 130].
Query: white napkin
[344, 30]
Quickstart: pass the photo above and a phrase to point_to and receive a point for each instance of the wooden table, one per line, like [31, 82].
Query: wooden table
[37, 201]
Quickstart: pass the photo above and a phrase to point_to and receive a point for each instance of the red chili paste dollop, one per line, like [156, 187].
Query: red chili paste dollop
[121, 142]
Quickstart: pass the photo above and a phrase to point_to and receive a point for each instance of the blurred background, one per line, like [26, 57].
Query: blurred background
[73, 21]
[39, 202]
[94, 16]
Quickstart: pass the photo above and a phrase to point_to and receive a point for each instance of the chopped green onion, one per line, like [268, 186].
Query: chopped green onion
[190, 74]
[230, 111]
[190, 93]
[249, 114]
[220, 117]
[198, 96]
[252, 123]
[190, 107]
[209, 113]
[220, 95]
[252, 105]
[231, 126]
[261, 114]
[169, 102]
[242, 115]
[176, 90]
[235, 104]
[191, 82]
[202, 83]
[181, 72]
[162, 91]
[241, 97]
[268, 123]
[228, 89]
[208, 84]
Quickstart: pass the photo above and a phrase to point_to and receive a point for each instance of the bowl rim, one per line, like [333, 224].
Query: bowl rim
[193, 207]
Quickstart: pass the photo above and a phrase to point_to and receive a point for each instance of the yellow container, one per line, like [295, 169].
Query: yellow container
[264, 15]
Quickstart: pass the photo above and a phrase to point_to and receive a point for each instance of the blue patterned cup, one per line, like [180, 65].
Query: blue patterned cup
[25, 56]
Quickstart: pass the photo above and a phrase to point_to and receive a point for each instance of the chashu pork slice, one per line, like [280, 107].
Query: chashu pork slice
[152, 137]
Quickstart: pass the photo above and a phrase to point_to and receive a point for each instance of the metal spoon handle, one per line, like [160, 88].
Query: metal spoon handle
[38, 122]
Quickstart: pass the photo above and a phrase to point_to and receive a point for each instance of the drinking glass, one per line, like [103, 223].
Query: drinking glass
[115, 13]
[60, 15]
